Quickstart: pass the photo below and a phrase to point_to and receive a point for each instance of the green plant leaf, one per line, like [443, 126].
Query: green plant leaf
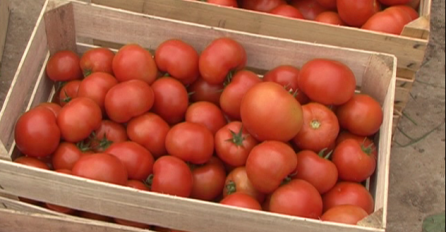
[434, 223]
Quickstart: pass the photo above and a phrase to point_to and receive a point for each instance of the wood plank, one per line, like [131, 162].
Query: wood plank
[23, 83]
[4, 20]
[410, 51]
[419, 28]
[11, 220]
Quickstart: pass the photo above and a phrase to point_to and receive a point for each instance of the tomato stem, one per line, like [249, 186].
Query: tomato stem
[231, 188]
[67, 98]
[149, 181]
[237, 138]
[315, 124]
[87, 72]
[368, 150]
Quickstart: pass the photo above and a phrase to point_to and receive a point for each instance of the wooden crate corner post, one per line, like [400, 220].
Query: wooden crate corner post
[4, 20]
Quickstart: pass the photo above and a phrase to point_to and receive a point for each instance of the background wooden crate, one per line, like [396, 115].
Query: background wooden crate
[375, 72]
[4, 19]
[409, 48]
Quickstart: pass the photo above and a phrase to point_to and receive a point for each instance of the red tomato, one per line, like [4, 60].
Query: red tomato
[206, 114]
[137, 184]
[108, 133]
[36, 133]
[233, 144]
[347, 193]
[78, 119]
[178, 59]
[171, 100]
[238, 181]
[150, 131]
[306, 200]
[233, 93]
[64, 171]
[96, 87]
[32, 162]
[222, 56]
[95, 217]
[346, 214]
[288, 77]
[66, 155]
[64, 66]
[384, 22]
[129, 99]
[287, 11]
[241, 200]
[320, 130]
[101, 167]
[69, 92]
[230, 3]
[356, 13]
[138, 160]
[362, 115]
[55, 108]
[97, 60]
[200, 90]
[261, 5]
[132, 224]
[317, 170]
[327, 82]
[329, 4]
[209, 180]
[190, 142]
[269, 163]
[330, 17]
[364, 141]
[60, 209]
[394, 2]
[309, 8]
[258, 105]
[132, 62]
[172, 176]
[355, 162]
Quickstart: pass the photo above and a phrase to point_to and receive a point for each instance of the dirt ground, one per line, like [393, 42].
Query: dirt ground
[417, 181]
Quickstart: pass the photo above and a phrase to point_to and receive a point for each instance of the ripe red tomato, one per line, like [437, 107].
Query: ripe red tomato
[288, 77]
[109, 132]
[309, 8]
[355, 162]
[356, 13]
[409, 10]
[258, 105]
[327, 82]
[261, 5]
[66, 155]
[347, 193]
[172, 176]
[317, 170]
[138, 160]
[97, 60]
[320, 130]
[64, 66]
[131, 224]
[233, 144]
[138, 185]
[269, 163]
[171, 100]
[190, 142]
[222, 56]
[330, 17]
[209, 180]
[101, 167]
[394, 2]
[36, 133]
[78, 119]
[307, 202]
[178, 59]
[362, 115]
[96, 86]
[60, 209]
[346, 214]
[95, 217]
[69, 92]
[229, 3]
[241, 200]
[55, 108]
[364, 141]
[129, 99]
[132, 62]
[206, 114]
[384, 22]
[233, 93]
[150, 131]
[32, 162]
[238, 181]
[329, 4]
[287, 11]
[200, 90]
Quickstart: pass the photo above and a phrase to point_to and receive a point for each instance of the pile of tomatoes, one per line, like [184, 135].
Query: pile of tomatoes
[388, 16]
[294, 141]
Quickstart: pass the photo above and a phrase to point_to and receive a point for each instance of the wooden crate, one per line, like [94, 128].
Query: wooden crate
[4, 19]
[409, 48]
[63, 24]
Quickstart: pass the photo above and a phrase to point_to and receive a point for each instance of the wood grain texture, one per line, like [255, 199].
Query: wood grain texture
[4, 19]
